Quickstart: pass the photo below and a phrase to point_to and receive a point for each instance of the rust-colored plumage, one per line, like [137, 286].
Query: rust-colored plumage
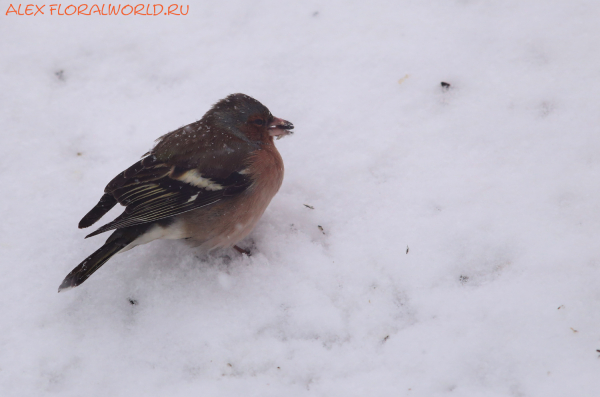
[208, 182]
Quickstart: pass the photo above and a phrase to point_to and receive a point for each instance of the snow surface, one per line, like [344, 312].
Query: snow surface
[459, 254]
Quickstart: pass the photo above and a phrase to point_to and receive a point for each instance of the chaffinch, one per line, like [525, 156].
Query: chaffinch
[208, 182]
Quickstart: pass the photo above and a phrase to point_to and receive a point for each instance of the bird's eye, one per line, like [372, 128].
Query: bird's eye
[260, 122]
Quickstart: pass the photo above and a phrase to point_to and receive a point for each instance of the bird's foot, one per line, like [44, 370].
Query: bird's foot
[242, 251]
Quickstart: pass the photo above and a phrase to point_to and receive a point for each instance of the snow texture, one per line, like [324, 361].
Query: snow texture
[453, 245]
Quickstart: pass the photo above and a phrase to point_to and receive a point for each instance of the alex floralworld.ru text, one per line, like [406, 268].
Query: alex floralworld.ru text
[96, 9]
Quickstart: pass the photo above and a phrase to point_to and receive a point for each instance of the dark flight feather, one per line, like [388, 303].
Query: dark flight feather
[148, 201]
[104, 205]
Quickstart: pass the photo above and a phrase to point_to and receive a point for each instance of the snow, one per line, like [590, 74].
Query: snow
[458, 253]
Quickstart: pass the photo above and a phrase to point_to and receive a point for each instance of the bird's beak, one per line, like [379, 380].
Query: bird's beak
[280, 128]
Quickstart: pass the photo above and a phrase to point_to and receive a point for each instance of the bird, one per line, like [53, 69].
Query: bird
[208, 182]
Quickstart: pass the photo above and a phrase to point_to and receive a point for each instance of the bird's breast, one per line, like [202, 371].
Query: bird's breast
[227, 222]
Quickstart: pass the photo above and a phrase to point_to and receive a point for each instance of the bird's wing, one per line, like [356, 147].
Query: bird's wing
[161, 185]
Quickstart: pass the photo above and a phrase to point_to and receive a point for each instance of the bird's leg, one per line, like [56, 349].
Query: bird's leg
[242, 251]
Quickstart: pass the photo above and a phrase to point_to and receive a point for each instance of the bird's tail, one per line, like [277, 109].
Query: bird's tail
[115, 243]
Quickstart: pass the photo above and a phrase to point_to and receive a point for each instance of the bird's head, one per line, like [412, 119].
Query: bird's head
[246, 117]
